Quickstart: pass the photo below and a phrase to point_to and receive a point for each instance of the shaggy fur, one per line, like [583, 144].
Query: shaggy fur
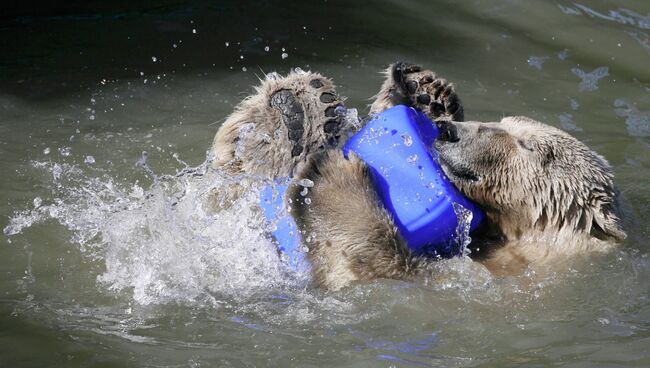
[345, 247]
[544, 193]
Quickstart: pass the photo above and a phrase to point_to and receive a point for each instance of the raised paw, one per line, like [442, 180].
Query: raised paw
[309, 112]
[411, 85]
[427, 92]
[276, 128]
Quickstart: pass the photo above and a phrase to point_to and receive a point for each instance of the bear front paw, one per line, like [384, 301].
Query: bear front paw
[426, 92]
[321, 122]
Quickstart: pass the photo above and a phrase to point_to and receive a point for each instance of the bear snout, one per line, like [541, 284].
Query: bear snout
[447, 132]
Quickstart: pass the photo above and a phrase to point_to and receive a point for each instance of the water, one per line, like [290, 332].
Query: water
[107, 263]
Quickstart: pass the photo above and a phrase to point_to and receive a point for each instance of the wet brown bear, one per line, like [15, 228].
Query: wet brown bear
[544, 193]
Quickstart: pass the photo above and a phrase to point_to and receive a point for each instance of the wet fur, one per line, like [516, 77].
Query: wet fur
[351, 236]
[544, 192]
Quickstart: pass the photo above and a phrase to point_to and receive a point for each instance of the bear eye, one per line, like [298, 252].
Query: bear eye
[548, 157]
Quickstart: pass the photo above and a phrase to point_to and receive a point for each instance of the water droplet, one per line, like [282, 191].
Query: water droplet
[243, 69]
[89, 160]
[307, 200]
[56, 172]
[267, 49]
[351, 121]
[227, 44]
[194, 30]
[37, 202]
[273, 76]
[154, 59]
[304, 191]
[412, 159]
[284, 55]
[65, 151]
[46, 151]
[408, 141]
[306, 183]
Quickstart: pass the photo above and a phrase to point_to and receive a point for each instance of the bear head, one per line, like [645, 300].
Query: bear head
[528, 176]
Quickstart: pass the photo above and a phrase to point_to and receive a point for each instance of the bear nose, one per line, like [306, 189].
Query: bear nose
[447, 132]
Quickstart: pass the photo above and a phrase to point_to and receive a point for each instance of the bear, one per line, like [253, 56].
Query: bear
[544, 193]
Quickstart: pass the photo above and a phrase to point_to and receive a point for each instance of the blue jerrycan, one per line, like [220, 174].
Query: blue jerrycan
[397, 146]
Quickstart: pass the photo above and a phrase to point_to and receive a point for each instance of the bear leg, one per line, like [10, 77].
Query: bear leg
[349, 234]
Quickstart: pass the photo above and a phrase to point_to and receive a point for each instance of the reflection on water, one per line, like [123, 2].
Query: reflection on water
[110, 257]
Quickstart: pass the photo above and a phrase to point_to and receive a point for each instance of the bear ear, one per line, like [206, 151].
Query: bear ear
[606, 224]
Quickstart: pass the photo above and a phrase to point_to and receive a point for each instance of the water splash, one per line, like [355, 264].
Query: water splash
[166, 243]
[462, 237]
[351, 122]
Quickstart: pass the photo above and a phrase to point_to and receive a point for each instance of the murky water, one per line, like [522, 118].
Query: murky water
[104, 266]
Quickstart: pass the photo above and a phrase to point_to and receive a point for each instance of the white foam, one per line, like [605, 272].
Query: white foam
[165, 244]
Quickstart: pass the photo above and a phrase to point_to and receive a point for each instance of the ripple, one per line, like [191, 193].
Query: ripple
[590, 80]
[637, 121]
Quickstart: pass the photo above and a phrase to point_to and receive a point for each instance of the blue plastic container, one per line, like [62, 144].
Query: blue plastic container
[397, 146]
[284, 229]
